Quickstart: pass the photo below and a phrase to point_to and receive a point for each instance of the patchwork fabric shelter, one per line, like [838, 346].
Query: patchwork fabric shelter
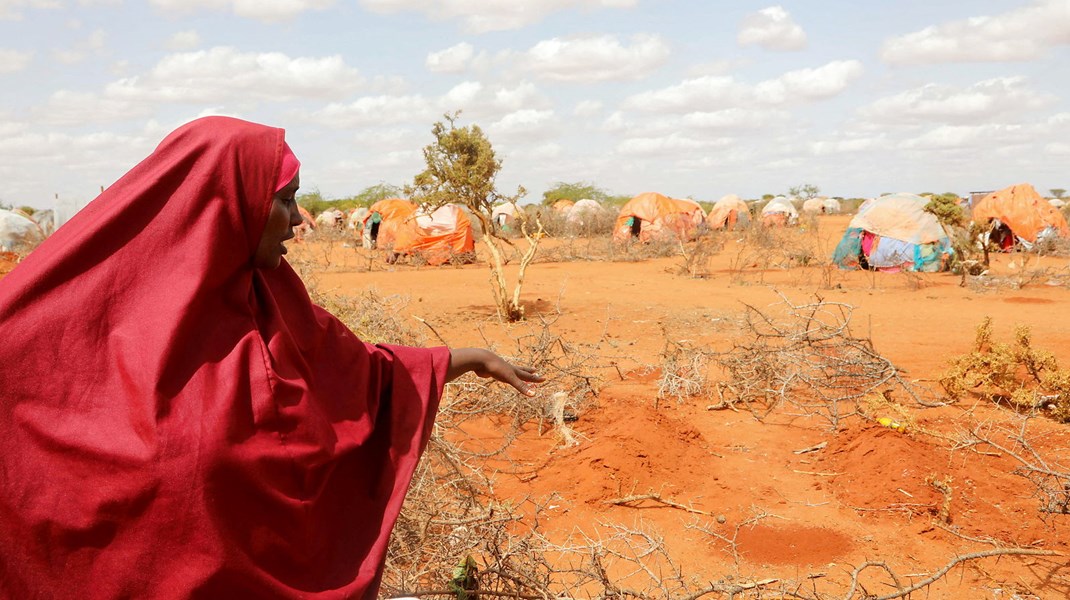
[651, 215]
[583, 210]
[779, 211]
[730, 212]
[438, 237]
[1022, 210]
[893, 233]
[832, 205]
[18, 231]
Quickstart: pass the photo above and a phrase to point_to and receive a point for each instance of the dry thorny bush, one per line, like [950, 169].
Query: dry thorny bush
[804, 356]
[454, 538]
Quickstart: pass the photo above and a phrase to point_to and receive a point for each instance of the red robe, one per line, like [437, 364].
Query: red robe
[175, 423]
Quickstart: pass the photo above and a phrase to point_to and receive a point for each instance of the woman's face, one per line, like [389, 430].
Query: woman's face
[282, 218]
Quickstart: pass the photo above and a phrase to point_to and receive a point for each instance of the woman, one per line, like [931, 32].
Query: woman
[177, 419]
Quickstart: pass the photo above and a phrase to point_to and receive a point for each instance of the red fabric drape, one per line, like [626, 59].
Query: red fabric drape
[175, 423]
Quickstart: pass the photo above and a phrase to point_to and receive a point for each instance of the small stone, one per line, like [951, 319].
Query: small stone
[721, 519]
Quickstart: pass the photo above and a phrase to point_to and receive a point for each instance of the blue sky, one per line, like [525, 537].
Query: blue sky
[691, 99]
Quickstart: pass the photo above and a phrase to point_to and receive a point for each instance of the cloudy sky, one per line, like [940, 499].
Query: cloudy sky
[688, 98]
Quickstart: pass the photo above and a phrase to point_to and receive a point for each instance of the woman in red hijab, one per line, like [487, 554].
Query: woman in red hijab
[177, 419]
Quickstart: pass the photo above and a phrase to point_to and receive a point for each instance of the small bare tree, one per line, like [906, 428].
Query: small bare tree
[461, 167]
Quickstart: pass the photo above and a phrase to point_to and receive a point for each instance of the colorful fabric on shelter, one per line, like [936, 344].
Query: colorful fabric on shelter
[177, 424]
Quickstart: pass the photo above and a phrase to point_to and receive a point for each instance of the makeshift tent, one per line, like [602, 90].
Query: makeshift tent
[893, 233]
[563, 205]
[355, 221]
[779, 211]
[1022, 211]
[383, 220]
[308, 223]
[821, 205]
[438, 237]
[504, 214]
[332, 217]
[1056, 202]
[651, 215]
[583, 211]
[728, 213]
[18, 232]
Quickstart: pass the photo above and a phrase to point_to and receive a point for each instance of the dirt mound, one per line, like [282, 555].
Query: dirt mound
[791, 544]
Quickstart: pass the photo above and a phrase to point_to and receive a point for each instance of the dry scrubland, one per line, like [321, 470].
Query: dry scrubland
[731, 418]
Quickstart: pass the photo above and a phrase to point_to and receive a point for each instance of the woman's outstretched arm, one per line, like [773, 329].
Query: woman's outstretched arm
[488, 364]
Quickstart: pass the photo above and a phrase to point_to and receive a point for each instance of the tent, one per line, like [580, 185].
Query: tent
[383, 220]
[332, 217]
[893, 233]
[1056, 202]
[728, 213]
[1023, 213]
[584, 210]
[355, 221]
[437, 237]
[651, 215]
[18, 232]
[821, 205]
[504, 214]
[779, 211]
[563, 205]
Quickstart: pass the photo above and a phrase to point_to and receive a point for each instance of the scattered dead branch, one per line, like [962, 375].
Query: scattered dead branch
[807, 356]
[626, 500]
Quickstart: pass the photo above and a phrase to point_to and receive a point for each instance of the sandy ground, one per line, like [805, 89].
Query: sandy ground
[866, 495]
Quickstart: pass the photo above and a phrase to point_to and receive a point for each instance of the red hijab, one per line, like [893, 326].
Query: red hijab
[175, 423]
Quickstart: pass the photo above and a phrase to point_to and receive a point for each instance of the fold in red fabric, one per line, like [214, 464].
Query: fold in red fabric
[177, 424]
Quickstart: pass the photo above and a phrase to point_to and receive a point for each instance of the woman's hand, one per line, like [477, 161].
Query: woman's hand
[488, 364]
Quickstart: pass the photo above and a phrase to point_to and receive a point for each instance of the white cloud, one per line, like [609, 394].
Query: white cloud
[1021, 34]
[847, 146]
[587, 108]
[773, 29]
[667, 145]
[950, 137]
[710, 92]
[261, 10]
[224, 73]
[99, 2]
[375, 110]
[809, 84]
[451, 60]
[184, 40]
[945, 103]
[714, 92]
[74, 108]
[523, 123]
[1058, 148]
[11, 10]
[13, 61]
[601, 58]
[481, 16]
[734, 118]
[92, 44]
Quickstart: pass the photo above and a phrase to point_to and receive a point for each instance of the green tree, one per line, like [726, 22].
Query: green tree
[1058, 192]
[461, 168]
[804, 191]
[960, 231]
[573, 191]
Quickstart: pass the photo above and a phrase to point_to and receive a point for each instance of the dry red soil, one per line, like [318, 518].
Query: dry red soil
[867, 495]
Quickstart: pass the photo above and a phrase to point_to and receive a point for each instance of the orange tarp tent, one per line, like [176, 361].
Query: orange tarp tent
[437, 237]
[728, 212]
[1022, 209]
[650, 215]
[393, 214]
